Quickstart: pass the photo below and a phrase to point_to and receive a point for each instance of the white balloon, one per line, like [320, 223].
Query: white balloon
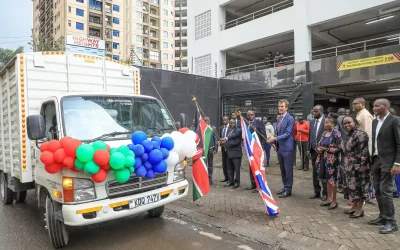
[166, 135]
[188, 147]
[190, 135]
[172, 159]
[177, 147]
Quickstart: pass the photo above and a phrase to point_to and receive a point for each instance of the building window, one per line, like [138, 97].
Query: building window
[203, 65]
[116, 20]
[154, 56]
[79, 12]
[157, 2]
[139, 26]
[165, 67]
[165, 45]
[165, 23]
[69, 23]
[139, 14]
[79, 1]
[139, 3]
[115, 7]
[138, 38]
[69, 9]
[116, 57]
[139, 50]
[165, 1]
[165, 33]
[95, 5]
[116, 33]
[79, 26]
[202, 25]
[115, 45]
[165, 12]
[165, 56]
[138, 62]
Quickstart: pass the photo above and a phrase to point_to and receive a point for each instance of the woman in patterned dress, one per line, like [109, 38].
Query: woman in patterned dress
[329, 149]
[356, 168]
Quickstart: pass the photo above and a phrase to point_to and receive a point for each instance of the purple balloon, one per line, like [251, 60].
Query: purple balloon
[148, 165]
[145, 157]
[157, 139]
[138, 137]
[138, 150]
[150, 174]
[148, 146]
[141, 172]
[156, 145]
[168, 143]
[160, 167]
[138, 162]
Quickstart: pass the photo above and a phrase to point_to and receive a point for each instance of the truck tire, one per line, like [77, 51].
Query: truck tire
[156, 212]
[20, 196]
[58, 233]
[7, 195]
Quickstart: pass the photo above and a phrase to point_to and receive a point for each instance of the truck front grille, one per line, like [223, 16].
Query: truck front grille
[136, 185]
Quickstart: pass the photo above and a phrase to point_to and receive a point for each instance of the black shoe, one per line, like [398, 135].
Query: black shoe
[389, 228]
[251, 187]
[305, 169]
[281, 192]
[224, 180]
[211, 183]
[377, 222]
[285, 194]
[315, 196]
[357, 216]
[334, 207]
[235, 186]
[228, 185]
[255, 191]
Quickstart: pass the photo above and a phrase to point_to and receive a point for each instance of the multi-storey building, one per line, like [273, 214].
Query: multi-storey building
[181, 43]
[139, 29]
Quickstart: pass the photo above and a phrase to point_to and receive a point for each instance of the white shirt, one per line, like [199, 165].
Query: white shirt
[318, 125]
[225, 131]
[378, 127]
[269, 130]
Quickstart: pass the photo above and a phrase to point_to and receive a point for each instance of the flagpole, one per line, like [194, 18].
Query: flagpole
[203, 114]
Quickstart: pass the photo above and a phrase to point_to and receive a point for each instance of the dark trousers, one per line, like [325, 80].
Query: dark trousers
[267, 152]
[303, 147]
[224, 157]
[383, 183]
[286, 165]
[316, 182]
[234, 170]
[294, 153]
[210, 167]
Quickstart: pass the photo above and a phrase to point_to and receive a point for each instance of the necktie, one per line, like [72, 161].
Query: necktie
[279, 124]
[316, 130]
[230, 132]
[224, 133]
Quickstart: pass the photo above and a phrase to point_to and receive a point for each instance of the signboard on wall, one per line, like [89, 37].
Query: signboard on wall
[82, 44]
[369, 62]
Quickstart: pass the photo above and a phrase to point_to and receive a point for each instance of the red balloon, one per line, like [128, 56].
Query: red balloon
[71, 146]
[54, 145]
[47, 158]
[69, 162]
[53, 168]
[107, 171]
[100, 176]
[45, 147]
[198, 155]
[183, 130]
[105, 166]
[101, 157]
[74, 170]
[108, 147]
[64, 140]
[60, 155]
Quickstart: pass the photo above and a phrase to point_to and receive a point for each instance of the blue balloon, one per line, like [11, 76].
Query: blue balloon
[165, 153]
[148, 165]
[131, 146]
[156, 145]
[155, 156]
[150, 174]
[167, 143]
[160, 167]
[141, 172]
[157, 139]
[138, 150]
[138, 162]
[148, 146]
[145, 157]
[138, 137]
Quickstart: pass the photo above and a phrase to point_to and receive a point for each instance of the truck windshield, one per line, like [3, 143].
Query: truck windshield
[88, 117]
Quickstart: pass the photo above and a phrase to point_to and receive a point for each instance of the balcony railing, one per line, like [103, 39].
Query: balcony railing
[259, 13]
[258, 66]
[357, 46]
[96, 20]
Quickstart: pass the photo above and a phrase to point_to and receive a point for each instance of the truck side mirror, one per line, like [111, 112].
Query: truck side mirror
[183, 120]
[36, 127]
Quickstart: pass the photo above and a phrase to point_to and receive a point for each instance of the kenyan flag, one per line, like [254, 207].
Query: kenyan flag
[205, 134]
[201, 185]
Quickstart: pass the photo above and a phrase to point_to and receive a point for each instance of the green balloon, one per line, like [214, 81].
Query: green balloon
[91, 168]
[129, 161]
[124, 150]
[99, 145]
[132, 169]
[131, 153]
[85, 153]
[78, 164]
[113, 150]
[117, 160]
[122, 175]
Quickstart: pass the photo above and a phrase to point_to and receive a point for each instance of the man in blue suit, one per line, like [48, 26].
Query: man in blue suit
[284, 145]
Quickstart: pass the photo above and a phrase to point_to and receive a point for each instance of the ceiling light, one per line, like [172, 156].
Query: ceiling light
[379, 19]
[390, 90]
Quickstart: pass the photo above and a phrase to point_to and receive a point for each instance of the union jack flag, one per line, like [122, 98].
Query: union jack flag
[256, 159]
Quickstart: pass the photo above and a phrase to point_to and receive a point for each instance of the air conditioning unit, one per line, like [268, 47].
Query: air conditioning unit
[388, 10]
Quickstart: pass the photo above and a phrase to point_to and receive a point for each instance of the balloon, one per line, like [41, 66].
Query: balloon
[155, 156]
[141, 172]
[122, 175]
[54, 145]
[99, 145]
[117, 160]
[148, 165]
[145, 157]
[105, 166]
[71, 146]
[138, 162]
[53, 168]
[60, 155]
[44, 147]
[47, 158]
[131, 146]
[148, 146]
[138, 137]
[160, 167]
[190, 135]
[183, 130]
[177, 147]
[157, 139]
[131, 170]
[91, 168]
[138, 150]
[123, 149]
[64, 140]
[101, 157]
[172, 159]
[113, 150]
[189, 148]
[79, 165]
[165, 153]
[156, 145]
[69, 162]
[85, 153]
[150, 174]
[100, 176]
[130, 153]
[176, 135]
[166, 135]
[108, 147]
[129, 161]
[167, 143]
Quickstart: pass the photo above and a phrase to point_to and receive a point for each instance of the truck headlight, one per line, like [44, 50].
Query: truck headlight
[178, 172]
[78, 190]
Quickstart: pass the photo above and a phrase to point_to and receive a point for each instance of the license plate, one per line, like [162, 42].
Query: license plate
[144, 200]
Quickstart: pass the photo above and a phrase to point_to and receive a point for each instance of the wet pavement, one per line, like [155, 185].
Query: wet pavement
[22, 227]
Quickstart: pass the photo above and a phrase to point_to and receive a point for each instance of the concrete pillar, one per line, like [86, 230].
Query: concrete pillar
[302, 33]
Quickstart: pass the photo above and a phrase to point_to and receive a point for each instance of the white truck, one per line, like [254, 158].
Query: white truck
[50, 95]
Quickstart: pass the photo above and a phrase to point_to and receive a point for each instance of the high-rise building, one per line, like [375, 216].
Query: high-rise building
[144, 28]
[181, 44]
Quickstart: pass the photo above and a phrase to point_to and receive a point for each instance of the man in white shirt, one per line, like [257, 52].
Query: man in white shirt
[269, 132]
[364, 118]
[223, 133]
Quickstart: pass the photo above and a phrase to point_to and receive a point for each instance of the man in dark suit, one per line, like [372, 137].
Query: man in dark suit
[223, 133]
[385, 163]
[316, 130]
[237, 119]
[284, 145]
[233, 145]
[255, 125]
[212, 150]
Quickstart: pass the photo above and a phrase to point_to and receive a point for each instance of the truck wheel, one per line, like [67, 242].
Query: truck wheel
[7, 195]
[20, 196]
[58, 233]
[156, 212]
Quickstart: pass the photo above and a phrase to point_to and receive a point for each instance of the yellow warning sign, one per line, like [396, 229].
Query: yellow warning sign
[369, 62]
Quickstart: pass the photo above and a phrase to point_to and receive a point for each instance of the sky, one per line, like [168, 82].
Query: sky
[15, 23]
